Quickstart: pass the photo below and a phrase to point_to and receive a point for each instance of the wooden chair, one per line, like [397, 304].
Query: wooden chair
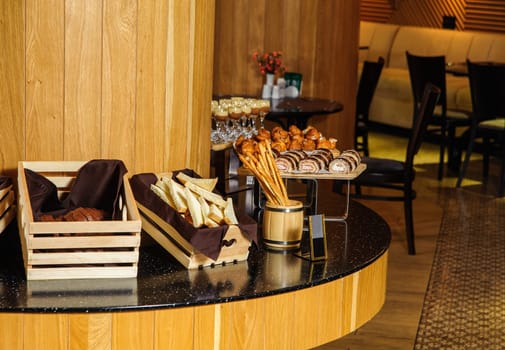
[397, 175]
[424, 69]
[370, 75]
[487, 88]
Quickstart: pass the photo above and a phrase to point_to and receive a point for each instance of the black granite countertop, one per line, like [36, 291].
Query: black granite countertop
[163, 283]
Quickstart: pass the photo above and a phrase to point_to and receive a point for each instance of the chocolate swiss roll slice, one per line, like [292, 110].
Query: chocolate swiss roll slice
[285, 164]
[323, 161]
[309, 165]
[353, 154]
[341, 165]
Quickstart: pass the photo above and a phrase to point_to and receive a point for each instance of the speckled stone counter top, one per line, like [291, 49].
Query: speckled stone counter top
[163, 283]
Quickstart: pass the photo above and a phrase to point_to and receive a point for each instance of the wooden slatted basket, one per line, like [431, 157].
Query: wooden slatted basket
[236, 249]
[81, 249]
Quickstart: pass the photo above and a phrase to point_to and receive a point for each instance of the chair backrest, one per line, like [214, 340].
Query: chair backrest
[427, 69]
[487, 88]
[430, 97]
[369, 79]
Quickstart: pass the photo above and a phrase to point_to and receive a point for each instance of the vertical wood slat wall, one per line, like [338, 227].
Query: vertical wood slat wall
[319, 38]
[481, 15]
[485, 15]
[119, 79]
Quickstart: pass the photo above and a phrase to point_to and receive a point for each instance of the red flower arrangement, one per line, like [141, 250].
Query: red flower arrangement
[269, 62]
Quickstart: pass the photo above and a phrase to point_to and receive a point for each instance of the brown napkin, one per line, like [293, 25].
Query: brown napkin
[208, 241]
[5, 181]
[98, 184]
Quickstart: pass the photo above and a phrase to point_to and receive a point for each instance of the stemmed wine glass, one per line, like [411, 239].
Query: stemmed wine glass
[263, 109]
[221, 117]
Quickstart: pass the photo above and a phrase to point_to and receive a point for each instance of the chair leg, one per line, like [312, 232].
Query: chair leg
[366, 151]
[501, 185]
[452, 161]
[443, 134]
[485, 159]
[469, 149]
[409, 220]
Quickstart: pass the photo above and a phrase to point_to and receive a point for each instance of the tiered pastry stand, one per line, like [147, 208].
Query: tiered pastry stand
[314, 179]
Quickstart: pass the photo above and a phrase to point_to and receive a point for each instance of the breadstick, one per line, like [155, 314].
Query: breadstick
[259, 176]
[266, 158]
[278, 175]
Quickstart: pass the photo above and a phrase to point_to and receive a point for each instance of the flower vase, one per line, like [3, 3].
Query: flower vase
[270, 79]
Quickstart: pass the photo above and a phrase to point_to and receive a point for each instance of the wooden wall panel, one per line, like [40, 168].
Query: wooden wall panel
[202, 21]
[12, 88]
[376, 10]
[90, 331]
[485, 15]
[45, 331]
[44, 79]
[83, 79]
[119, 80]
[429, 13]
[318, 38]
[174, 329]
[177, 99]
[481, 15]
[127, 79]
[133, 330]
[151, 89]
[11, 331]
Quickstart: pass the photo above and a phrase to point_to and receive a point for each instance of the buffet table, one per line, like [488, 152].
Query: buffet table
[270, 301]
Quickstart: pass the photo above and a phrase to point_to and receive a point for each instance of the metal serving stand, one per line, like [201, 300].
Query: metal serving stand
[314, 180]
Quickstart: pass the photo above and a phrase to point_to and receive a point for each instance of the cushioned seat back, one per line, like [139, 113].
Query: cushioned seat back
[378, 37]
[419, 41]
[497, 51]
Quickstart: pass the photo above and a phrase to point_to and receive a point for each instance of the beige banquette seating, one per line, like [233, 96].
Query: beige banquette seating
[392, 103]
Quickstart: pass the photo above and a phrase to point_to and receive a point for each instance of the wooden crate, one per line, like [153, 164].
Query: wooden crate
[170, 239]
[63, 250]
[7, 207]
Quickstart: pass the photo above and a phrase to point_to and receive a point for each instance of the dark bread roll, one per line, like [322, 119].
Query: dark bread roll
[85, 214]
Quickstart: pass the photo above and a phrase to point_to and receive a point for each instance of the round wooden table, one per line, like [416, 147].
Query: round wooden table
[299, 110]
[270, 301]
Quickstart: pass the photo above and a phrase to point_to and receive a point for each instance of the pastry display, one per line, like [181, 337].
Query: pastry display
[301, 151]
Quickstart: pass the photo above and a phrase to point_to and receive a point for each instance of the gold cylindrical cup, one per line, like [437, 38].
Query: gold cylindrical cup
[283, 225]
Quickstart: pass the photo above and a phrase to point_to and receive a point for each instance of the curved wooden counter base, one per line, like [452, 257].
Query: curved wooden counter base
[300, 319]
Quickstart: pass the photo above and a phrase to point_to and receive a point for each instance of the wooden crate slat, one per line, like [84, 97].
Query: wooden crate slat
[106, 226]
[5, 191]
[6, 202]
[53, 166]
[7, 217]
[102, 257]
[81, 272]
[84, 242]
[62, 181]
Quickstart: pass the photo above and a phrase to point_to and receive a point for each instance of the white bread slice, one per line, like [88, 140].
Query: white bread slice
[206, 184]
[194, 208]
[215, 213]
[207, 195]
[210, 223]
[163, 195]
[177, 193]
[205, 206]
[229, 213]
